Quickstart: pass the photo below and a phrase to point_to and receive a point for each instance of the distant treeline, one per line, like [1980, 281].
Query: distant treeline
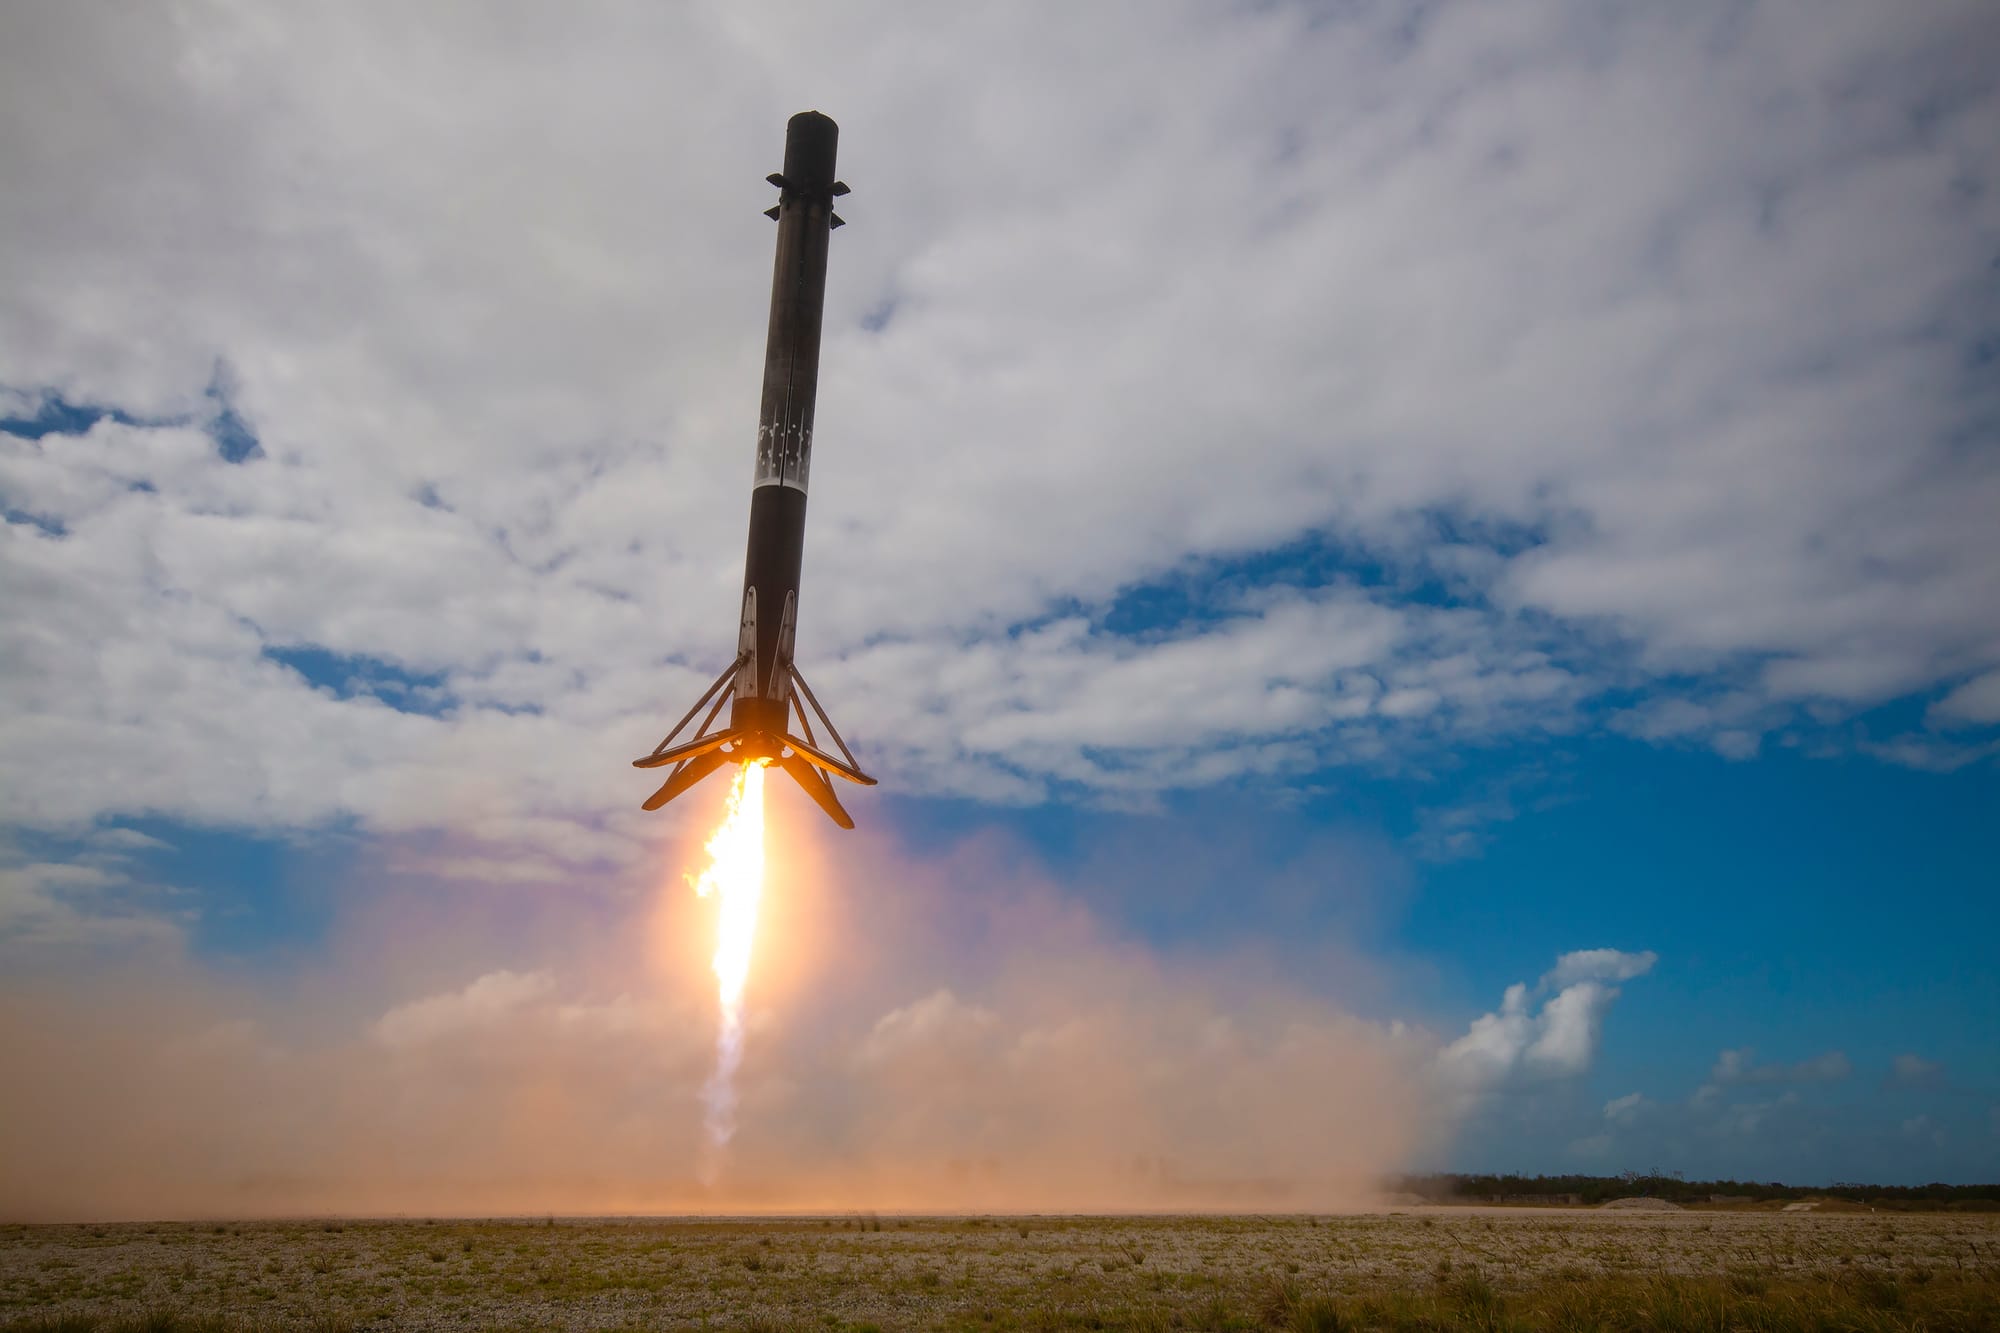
[1670, 1186]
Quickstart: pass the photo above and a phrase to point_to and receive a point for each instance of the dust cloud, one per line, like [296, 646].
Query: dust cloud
[953, 1032]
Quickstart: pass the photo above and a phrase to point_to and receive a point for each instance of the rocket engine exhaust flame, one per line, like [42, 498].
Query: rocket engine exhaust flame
[735, 877]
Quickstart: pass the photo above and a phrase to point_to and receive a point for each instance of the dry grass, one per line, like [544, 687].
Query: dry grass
[1429, 1269]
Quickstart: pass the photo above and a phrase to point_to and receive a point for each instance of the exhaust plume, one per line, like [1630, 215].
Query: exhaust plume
[735, 876]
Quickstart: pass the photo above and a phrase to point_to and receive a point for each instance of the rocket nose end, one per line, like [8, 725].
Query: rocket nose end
[811, 142]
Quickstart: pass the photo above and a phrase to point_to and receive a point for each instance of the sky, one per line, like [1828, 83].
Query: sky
[1422, 580]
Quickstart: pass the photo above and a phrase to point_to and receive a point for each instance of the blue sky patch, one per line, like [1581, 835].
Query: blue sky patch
[350, 676]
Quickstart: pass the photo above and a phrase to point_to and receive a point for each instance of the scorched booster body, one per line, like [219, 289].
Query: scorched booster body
[762, 687]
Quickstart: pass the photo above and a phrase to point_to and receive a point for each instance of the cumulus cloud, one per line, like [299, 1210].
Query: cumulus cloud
[1090, 517]
[1606, 965]
[1525, 1042]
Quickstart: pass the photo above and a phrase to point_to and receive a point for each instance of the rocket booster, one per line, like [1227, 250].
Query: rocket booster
[763, 687]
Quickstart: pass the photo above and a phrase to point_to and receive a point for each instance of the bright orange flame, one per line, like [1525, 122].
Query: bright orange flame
[735, 876]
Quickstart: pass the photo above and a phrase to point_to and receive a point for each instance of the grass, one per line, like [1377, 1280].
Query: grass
[1435, 1270]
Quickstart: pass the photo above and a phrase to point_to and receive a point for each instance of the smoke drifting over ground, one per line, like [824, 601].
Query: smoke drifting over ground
[922, 1034]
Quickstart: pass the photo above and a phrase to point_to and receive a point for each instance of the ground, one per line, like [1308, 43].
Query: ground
[1431, 1268]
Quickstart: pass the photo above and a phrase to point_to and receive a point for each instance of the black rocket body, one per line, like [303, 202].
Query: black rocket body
[785, 419]
[762, 686]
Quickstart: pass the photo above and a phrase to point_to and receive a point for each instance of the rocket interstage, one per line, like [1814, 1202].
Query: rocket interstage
[762, 687]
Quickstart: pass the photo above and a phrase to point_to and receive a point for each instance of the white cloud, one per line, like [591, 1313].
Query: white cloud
[122, 840]
[1624, 1110]
[1681, 424]
[1570, 1024]
[1975, 703]
[1788, 1121]
[1929, 752]
[1608, 965]
[1522, 1043]
[1740, 1066]
[48, 907]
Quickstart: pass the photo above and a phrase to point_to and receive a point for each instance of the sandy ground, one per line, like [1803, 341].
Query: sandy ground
[912, 1272]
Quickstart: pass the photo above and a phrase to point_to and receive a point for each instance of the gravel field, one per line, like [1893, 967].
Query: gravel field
[1937, 1270]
